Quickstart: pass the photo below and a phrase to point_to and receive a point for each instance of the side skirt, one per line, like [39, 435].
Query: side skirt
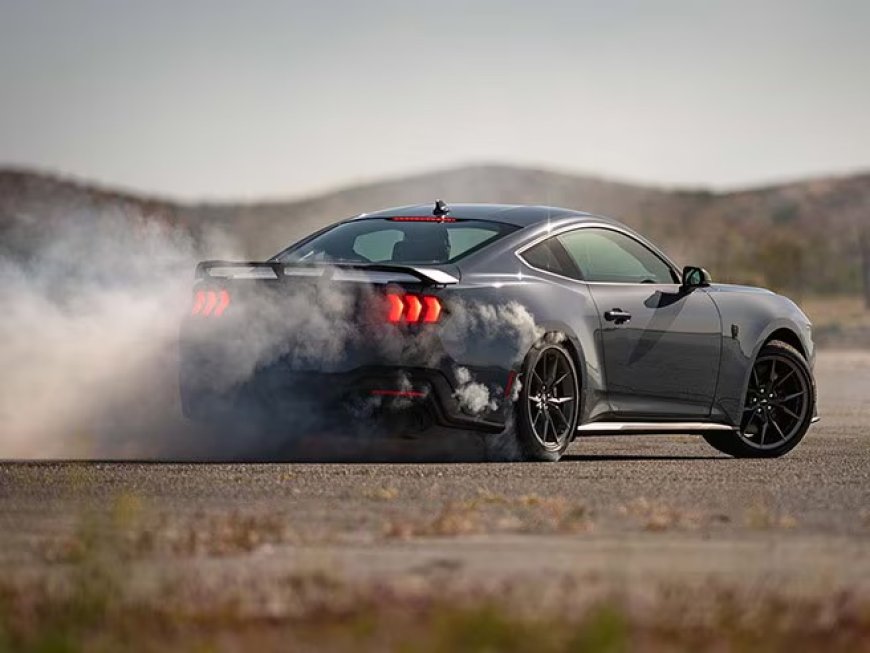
[651, 428]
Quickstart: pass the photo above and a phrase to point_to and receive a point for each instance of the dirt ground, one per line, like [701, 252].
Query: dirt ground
[634, 518]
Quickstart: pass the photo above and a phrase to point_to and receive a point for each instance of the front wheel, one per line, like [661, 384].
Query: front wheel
[778, 408]
[549, 403]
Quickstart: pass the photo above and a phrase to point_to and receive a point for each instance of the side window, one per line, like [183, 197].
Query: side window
[610, 256]
[550, 256]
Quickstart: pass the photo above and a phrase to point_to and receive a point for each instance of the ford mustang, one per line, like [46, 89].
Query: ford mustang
[528, 325]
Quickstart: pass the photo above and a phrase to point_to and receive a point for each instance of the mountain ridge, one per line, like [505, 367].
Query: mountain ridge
[800, 235]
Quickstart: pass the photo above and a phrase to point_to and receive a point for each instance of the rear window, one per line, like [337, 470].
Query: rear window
[384, 240]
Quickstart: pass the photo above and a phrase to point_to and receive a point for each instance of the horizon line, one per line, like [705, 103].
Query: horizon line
[360, 183]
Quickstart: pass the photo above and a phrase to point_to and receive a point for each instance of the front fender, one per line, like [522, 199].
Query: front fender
[749, 319]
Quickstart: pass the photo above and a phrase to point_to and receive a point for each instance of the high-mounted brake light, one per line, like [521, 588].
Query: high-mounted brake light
[413, 309]
[210, 303]
[421, 218]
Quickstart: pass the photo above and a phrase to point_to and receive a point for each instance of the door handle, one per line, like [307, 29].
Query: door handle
[617, 315]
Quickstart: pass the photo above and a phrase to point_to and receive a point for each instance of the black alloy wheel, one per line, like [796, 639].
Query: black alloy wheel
[778, 407]
[549, 403]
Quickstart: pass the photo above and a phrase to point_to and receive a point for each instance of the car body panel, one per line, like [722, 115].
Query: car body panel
[663, 362]
[685, 355]
[750, 316]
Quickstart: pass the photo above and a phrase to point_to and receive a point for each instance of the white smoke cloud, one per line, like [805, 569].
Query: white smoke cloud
[473, 397]
[89, 337]
[503, 331]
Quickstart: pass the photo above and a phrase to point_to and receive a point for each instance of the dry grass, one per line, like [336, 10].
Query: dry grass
[839, 322]
[130, 530]
[491, 513]
[826, 312]
[656, 516]
[95, 605]
[761, 516]
[336, 616]
[386, 493]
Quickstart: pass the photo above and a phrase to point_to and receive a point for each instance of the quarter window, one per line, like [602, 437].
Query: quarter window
[610, 256]
[551, 257]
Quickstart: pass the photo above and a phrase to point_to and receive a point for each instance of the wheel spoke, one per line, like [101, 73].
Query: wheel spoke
[778, 430]
[755, 379]
[787, 410]
[560, 379]
[554, 369]
[772, 372]
[546, 424]
[748, 422]
[790, 397]
[536, 418]
[558, 411]
[783, 378]
[763, 431]
[560, 400]
[553, 425]
[537, 378]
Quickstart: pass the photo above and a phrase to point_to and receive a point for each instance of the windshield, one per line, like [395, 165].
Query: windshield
[399, 241]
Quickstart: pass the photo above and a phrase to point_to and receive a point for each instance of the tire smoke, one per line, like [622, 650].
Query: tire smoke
[89, 337]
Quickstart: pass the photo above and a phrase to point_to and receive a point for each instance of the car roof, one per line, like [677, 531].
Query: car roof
[515, 214]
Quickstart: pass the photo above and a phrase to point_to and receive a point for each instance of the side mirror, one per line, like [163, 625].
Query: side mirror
[695, 277]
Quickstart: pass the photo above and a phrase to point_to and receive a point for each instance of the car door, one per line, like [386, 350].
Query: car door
[661, 345]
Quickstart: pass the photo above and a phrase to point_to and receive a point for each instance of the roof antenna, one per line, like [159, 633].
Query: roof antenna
[441, 209]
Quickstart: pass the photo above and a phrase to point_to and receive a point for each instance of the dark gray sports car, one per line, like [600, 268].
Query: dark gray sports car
[529, 325]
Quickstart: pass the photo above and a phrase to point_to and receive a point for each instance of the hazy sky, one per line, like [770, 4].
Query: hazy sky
[209, 99]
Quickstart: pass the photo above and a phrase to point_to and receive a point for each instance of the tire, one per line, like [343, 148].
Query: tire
[778, 407]
[549, 403]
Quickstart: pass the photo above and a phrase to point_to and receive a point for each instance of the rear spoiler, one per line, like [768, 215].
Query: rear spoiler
[370, 273]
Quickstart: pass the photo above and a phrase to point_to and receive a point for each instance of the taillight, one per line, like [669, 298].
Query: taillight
[397, 307]
[223, 303]
[198, 302]
[210, 303]
[433, 308]
[413, 309]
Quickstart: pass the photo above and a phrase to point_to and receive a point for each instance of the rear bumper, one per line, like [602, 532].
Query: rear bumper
[403, 398]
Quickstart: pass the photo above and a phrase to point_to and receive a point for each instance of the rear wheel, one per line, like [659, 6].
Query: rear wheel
[548, 405]
[778, 408]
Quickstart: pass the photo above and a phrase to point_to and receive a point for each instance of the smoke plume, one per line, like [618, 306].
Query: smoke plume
[88, 335]
[89, 338]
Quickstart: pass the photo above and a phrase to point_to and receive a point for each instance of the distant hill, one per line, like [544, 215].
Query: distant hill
[803, 237]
